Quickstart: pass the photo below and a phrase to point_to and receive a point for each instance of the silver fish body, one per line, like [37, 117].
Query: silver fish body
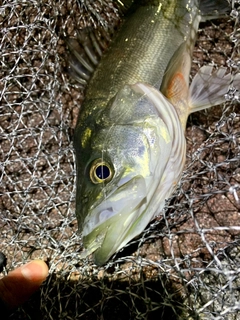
[144, 46]
[146, 150]
[129, 138]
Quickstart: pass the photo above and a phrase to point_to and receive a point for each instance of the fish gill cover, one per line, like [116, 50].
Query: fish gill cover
[185, 265]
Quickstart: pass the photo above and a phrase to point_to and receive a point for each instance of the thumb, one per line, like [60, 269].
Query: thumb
[21, 283]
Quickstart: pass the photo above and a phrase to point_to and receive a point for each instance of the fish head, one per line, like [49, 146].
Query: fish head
[119, 165]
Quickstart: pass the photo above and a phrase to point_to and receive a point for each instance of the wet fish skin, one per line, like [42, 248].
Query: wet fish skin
[129, 128]
[134, 46]
[139, 178]
[143, 47]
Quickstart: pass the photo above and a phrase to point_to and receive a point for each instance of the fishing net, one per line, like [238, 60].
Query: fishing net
[186, 264]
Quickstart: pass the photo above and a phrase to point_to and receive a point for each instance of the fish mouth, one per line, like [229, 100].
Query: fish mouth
[111, 220]
[124, 198]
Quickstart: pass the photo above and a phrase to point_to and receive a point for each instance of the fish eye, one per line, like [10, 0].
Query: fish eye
[100, 171]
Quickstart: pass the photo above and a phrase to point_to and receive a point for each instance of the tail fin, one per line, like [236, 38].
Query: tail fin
[210, 88]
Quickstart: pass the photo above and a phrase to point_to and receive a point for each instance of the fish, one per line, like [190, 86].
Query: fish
[129, 138]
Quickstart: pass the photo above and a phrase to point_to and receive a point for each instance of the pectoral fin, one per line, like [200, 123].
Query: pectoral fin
[175, 81]
[177, 89]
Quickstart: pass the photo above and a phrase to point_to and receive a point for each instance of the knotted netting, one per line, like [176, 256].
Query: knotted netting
[186, 264]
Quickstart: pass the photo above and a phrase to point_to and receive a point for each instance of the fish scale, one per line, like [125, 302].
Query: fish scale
[132, 132]
[134, 53]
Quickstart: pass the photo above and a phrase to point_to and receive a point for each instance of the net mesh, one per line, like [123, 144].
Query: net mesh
[186, 264]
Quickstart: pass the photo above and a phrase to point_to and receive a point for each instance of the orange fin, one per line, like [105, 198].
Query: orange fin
[177, 88]
[175, 84]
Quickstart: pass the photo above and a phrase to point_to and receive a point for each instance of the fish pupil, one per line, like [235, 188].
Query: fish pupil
[102, 172]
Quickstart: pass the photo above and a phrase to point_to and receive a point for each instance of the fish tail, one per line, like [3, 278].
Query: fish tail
[210, 88]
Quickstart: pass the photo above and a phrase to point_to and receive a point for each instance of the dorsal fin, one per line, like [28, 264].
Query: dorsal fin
[86, 51]
[124, 5]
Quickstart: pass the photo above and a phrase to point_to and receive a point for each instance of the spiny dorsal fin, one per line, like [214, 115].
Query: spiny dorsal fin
[85, 52]
[124, 5]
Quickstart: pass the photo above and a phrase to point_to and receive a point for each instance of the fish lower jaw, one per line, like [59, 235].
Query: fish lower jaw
[119, 207]
[94, 245]
[110, 236]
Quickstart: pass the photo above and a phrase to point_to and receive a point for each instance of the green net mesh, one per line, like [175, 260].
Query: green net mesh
[186, 264]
